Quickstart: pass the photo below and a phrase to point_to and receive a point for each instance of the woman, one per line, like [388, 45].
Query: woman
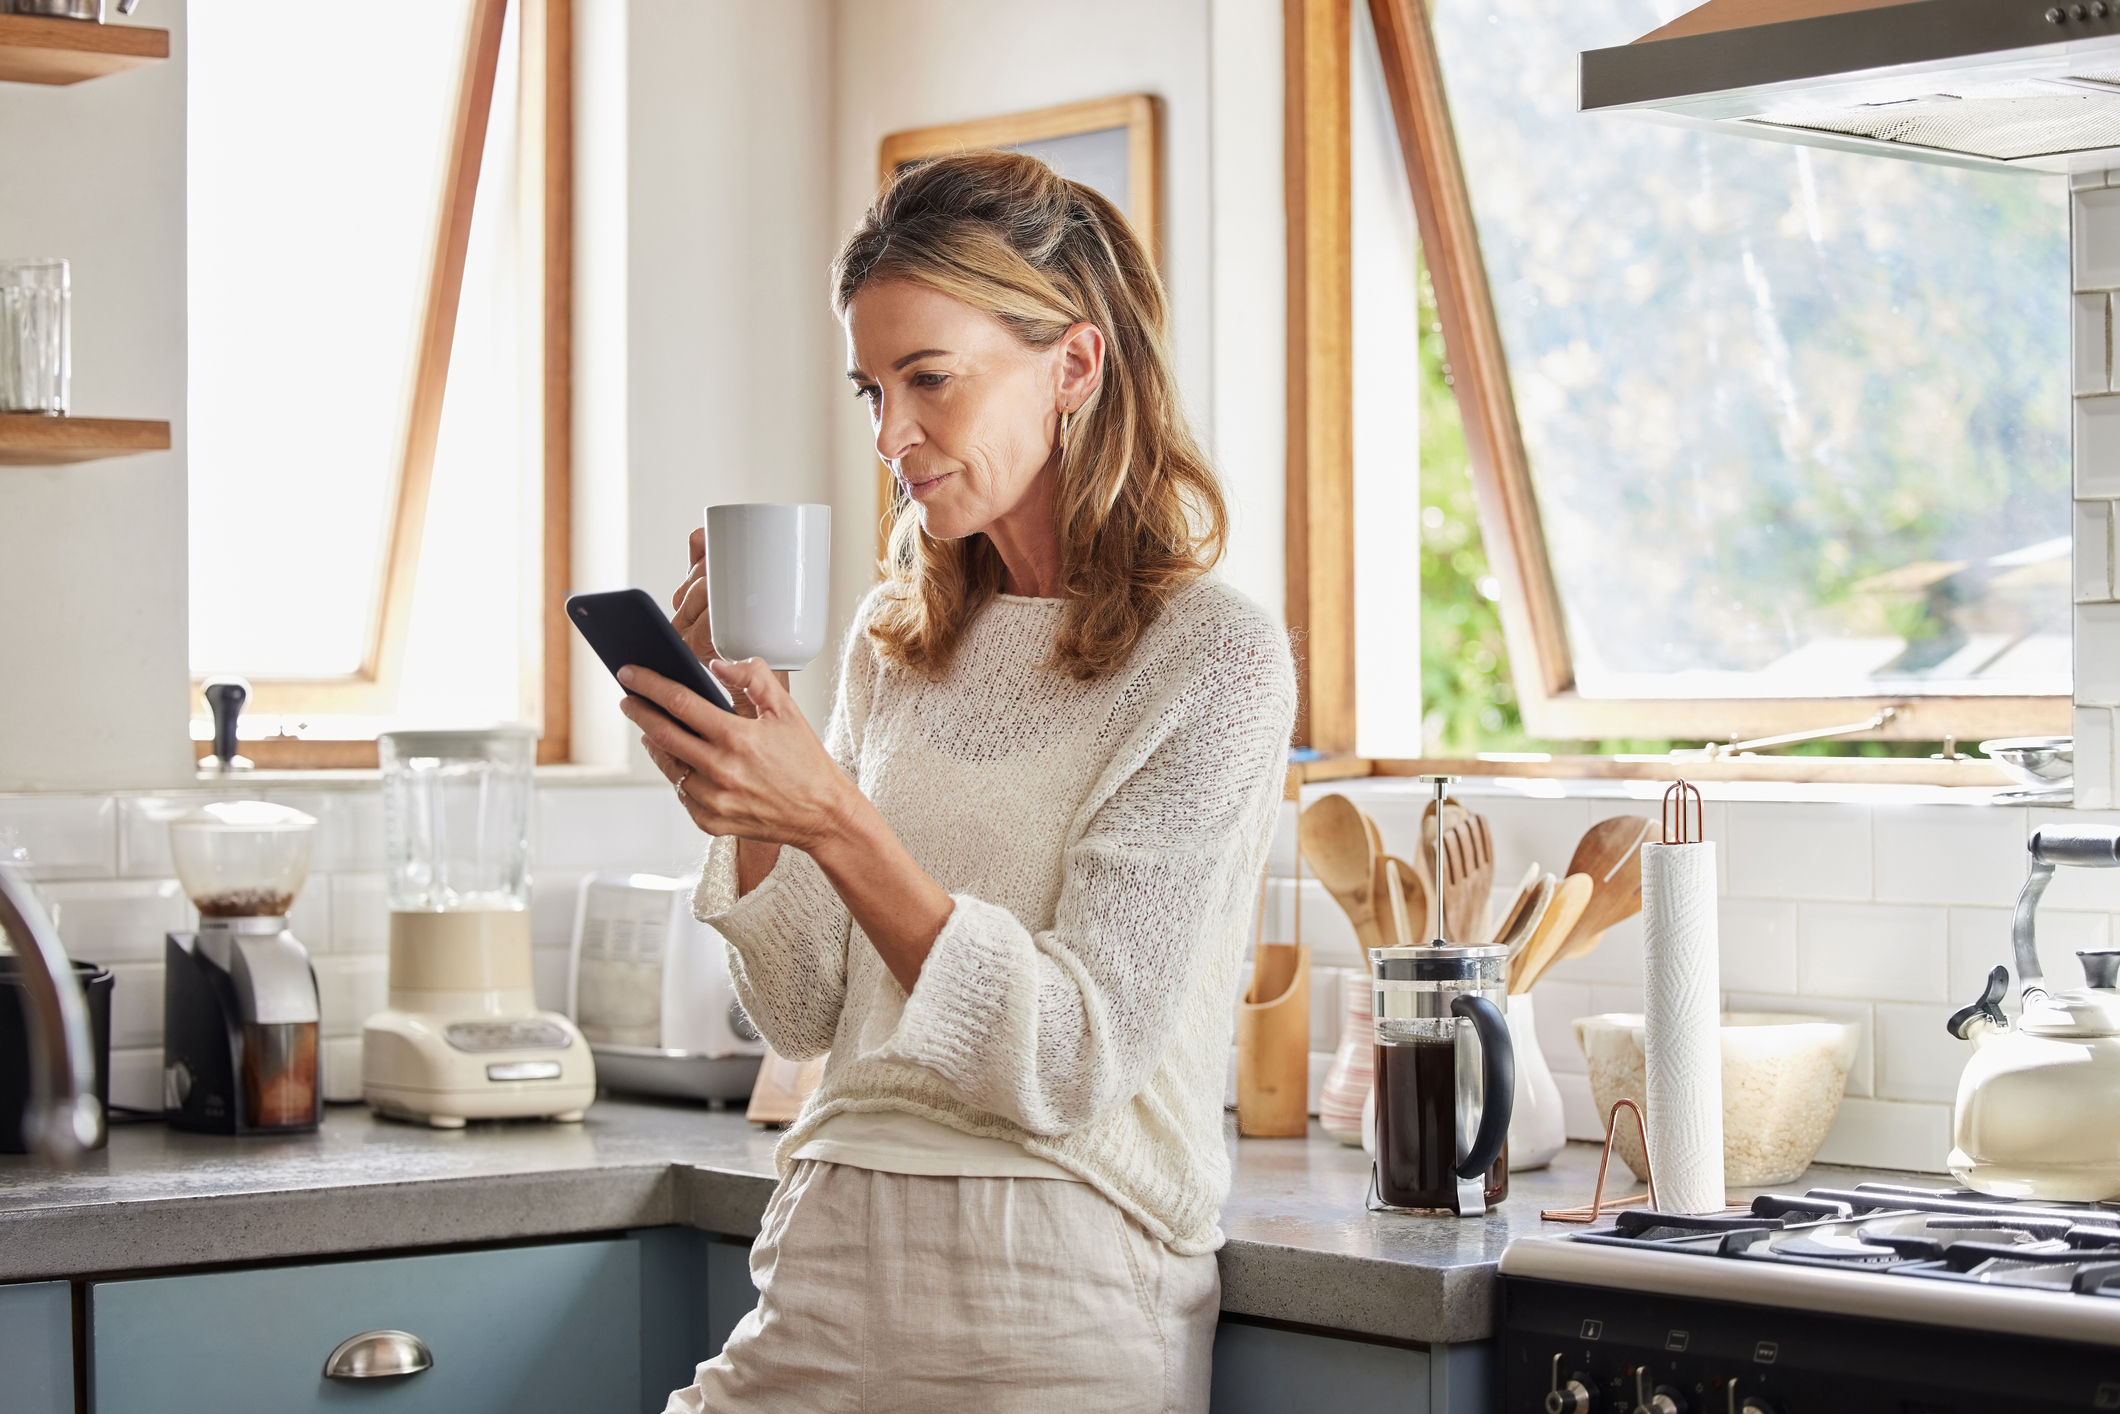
[1008, 891]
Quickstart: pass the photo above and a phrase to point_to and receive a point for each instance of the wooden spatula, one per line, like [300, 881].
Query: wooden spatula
[1334, 839]
[1419, 911]
[1468, 879]
[1544, 949]
[1518, 934]
[1610, 853]
[1525, 890]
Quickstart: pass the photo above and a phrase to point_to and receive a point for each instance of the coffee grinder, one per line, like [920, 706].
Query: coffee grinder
[463, 1038]
[239, 998]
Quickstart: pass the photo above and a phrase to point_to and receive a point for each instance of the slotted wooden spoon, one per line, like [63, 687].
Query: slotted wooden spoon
[1544, 949]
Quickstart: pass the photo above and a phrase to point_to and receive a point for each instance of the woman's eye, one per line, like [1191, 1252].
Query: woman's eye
[930, 380]
[868, 393]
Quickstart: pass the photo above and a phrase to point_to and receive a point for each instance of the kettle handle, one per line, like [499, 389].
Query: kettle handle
[1497, 1081]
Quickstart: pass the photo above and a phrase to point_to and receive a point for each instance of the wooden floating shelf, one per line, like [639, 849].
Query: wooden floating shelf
[40, 49]
[33, 439]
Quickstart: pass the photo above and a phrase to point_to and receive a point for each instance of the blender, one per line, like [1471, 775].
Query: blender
[462, 1038]
[239, 998]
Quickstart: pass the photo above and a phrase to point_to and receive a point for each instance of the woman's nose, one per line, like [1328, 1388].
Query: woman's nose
[896, 433]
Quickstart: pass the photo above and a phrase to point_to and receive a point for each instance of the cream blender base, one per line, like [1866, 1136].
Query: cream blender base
[463, 1038]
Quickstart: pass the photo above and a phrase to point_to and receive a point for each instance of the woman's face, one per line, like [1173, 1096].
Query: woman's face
[965, 413]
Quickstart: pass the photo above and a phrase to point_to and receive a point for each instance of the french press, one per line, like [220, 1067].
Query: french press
[1445, 1071]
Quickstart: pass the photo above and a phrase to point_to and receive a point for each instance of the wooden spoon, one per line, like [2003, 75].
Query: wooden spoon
[1544, 949]
[1521, 928]
[1525, 889]
[1335, 843]
[1610, 853]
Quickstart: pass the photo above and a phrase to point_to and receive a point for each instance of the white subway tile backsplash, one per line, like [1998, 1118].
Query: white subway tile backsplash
[1579, 1111]
[614, 827]
[1862, 1072]
[1799, 851]
[1623, 997]
[2097, 447]
[1948, 853]
[2090, 340]
[1876, 952]
[350, 989]
[118, 920]
[143, 833]
[553, 896]
[1917, 1059]
[360, 913]
[2092, 543]
[1756, 944]
[1331, 937]
[2094, 757]
[2094, 239]
[1617, 960]
[2097, 655]
[135, 1005]
[61, 837]
[339, 1058]
[1889, 1134]
[1980, 942]
[1328, 1004]
[136, 1078]
[352, 835]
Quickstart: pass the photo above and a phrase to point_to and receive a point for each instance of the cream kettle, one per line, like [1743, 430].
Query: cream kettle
[2038, 1109]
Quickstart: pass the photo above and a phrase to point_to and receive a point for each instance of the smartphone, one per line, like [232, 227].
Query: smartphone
[627, 627]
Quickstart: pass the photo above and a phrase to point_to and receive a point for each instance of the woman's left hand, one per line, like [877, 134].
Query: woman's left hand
[766, 778]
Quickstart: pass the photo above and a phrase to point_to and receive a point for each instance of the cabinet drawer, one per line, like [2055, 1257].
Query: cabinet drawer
[37, 1348]
[521, 1331]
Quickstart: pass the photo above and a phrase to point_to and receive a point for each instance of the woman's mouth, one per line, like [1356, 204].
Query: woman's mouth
[921, 490]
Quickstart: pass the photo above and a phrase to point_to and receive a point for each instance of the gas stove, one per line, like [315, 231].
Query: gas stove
[1876, 1297]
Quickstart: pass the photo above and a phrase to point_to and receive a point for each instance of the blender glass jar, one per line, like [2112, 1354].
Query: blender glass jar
[456, 827]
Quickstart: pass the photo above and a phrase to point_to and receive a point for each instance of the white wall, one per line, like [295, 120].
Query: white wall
[92, 556]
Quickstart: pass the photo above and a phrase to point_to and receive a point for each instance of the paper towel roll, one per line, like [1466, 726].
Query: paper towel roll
[1682, 1034]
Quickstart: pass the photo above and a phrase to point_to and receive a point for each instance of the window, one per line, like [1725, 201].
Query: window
[378, 307]
[1763, 438]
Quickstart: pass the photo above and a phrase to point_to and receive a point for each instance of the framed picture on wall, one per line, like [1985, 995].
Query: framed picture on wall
[1110, 144]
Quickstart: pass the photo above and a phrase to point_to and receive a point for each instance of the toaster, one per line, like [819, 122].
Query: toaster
[649, 987]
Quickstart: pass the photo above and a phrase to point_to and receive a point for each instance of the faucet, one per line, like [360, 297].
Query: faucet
[64, 1118]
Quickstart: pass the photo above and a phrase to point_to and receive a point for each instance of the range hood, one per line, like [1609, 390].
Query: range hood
[2012, 84]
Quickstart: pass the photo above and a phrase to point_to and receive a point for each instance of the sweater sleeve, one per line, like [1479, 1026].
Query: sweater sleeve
[788, 937]
[1050, 1029]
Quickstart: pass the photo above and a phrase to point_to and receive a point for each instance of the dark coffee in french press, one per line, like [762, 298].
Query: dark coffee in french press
[1445, 1078]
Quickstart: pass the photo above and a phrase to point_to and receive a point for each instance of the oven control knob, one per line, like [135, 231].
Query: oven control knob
[1754, 1404]
[1662, 1400]
[1570, 1398]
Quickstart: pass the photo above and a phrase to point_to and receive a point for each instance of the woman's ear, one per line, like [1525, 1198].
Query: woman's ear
[1081, 365]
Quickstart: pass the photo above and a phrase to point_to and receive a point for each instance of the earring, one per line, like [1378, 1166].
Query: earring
[1066, 420]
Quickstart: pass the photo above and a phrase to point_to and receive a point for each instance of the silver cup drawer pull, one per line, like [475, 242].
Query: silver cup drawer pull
[378, 1355]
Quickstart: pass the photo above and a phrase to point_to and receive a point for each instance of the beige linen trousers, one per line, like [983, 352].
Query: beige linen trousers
[888, 1293]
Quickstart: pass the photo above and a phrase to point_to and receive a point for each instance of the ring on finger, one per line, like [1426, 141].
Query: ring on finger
[682, 777]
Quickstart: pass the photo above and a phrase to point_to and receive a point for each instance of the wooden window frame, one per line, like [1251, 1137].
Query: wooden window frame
[1141, 114]
[1320, 467]
[546, 33]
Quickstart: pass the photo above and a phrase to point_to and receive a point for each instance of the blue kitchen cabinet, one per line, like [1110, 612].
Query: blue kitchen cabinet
[37, 1348]
[551, 1329]
[1261, 1369]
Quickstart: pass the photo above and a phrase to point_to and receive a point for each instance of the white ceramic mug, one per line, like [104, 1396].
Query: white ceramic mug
[768, 577]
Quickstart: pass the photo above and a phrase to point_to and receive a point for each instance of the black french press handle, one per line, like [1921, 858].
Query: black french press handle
[1497, 1081]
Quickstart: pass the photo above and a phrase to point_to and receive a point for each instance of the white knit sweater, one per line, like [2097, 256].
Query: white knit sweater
[1102, 842]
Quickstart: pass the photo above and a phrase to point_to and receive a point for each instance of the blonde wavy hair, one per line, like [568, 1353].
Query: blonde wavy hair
[1139, 511]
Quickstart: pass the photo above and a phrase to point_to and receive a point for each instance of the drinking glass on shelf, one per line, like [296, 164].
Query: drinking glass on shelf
[35, 338]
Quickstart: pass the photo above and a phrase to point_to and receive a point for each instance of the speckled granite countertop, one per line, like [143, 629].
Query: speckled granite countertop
[1301, 1247]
